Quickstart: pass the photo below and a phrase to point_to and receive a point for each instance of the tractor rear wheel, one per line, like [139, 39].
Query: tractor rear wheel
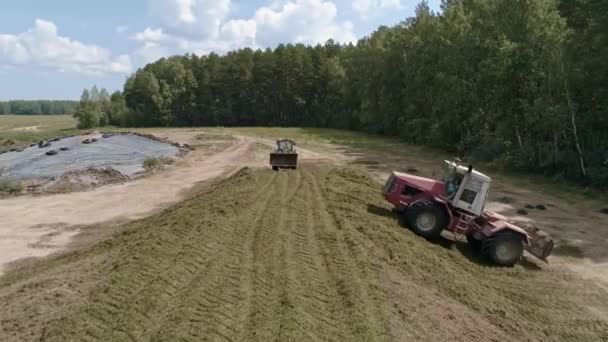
[504, 248]
[426, 219]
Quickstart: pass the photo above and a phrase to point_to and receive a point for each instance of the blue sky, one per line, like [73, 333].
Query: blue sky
[54, 49]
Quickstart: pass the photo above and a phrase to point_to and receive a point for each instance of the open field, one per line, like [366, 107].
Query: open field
[312, 254]
[573, 215]
[19, 130]
[357, 143]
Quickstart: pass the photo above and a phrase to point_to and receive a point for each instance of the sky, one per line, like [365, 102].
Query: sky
[54, 49]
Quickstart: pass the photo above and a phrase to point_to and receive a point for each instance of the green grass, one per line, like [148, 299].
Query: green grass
[20, 130]
[309, 254]
[156, 162]
[426, 157]
[313, 135]
[10, 187]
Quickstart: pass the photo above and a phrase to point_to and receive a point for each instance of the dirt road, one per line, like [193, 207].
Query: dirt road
[34, 226]
[41, 225]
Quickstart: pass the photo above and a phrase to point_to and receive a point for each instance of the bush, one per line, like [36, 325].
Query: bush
[87, 117]
[10, 186]
[156, 162]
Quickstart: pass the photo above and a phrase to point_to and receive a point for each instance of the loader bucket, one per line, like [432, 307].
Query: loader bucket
[541, 244]
[284, 160]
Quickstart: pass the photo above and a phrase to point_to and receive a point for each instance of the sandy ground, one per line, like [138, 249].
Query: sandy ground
[37, 226]
[26, 129]
[29, 220]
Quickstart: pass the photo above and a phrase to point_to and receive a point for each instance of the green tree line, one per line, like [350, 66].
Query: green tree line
[522, 83]
[37, 107]
[99, 108]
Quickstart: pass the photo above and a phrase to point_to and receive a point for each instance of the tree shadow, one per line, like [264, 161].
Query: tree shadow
[462, 247]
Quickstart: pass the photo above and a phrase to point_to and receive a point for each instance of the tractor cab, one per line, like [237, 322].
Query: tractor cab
[466, 189]
[286, 146]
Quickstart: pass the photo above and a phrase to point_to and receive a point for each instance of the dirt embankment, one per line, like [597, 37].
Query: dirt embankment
[55, 219]
[36, 226]
[312, 254]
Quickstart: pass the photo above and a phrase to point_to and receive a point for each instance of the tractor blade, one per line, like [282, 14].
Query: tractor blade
[541, 244]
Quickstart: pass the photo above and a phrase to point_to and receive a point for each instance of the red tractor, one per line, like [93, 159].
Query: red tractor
[456, 204]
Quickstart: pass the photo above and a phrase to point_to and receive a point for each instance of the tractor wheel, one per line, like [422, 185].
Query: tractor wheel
[474, 243]
[275, 168]
[504, 248]
[426, 219]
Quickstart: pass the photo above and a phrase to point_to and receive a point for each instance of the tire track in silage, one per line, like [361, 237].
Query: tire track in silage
[314, 316]
[345, 276]
[213, 305]
[133, 308]
[268, 276]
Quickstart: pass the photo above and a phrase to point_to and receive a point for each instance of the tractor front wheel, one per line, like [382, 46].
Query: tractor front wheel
[504, 249]
[474, 243]
[426, 219]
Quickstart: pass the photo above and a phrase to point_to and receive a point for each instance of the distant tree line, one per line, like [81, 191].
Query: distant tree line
[522, 83]
[37, 107]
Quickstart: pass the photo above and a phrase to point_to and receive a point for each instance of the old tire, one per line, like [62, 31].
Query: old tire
[426, 219]
[275, 168]
[504, 249]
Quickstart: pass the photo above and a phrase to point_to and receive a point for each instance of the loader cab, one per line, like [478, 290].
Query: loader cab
[286, 146]
[467, 189]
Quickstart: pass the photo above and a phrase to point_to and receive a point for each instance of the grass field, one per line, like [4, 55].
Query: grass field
[19, 130]
[387, 149]
[307, 255]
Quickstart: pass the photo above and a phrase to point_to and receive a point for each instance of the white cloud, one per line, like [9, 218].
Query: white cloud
[150, 52]
[367, 8]
[198, 19]
[239, 32]
[203, 26]
[121, 28]
[150, 35]
[301, 21]
[43, 46]
[122, 64]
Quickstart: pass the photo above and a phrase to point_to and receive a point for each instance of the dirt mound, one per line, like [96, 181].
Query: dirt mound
[80, 180]
[312, 254]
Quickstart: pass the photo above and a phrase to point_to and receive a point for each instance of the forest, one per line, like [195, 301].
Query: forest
[521, 83]
[37, 107]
